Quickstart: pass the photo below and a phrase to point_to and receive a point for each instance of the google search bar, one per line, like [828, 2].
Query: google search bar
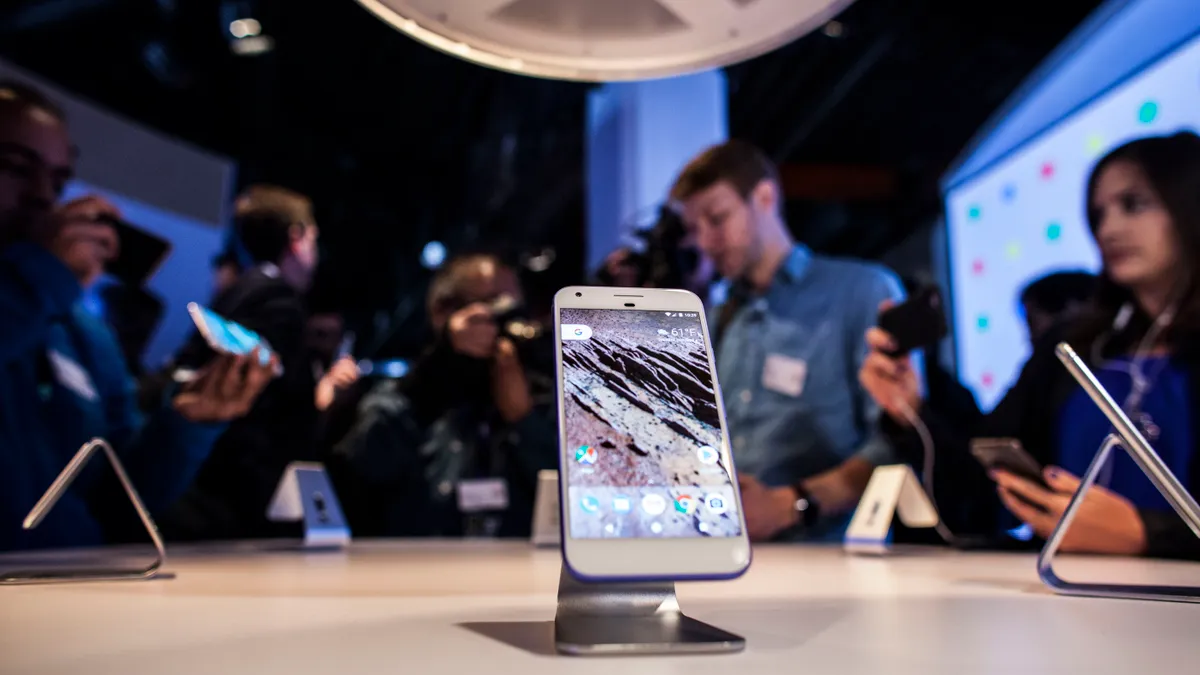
[575, 331]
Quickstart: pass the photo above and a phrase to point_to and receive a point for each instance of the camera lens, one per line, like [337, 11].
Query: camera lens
[579, 295]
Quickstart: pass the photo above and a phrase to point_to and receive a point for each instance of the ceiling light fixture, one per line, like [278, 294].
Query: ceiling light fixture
[612, 40]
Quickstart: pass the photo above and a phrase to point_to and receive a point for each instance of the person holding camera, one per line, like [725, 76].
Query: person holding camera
[671, 259]
[454, 448]
[63, 380]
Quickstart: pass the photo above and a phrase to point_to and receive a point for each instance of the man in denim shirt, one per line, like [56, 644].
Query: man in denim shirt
[789, 345]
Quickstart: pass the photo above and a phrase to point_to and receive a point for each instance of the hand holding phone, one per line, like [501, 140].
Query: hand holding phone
[1007, 454]
[915, 323]
[229, 337]
[139, 254]
[473, 331]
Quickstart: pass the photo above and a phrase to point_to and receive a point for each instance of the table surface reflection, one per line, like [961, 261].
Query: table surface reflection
[462, 607]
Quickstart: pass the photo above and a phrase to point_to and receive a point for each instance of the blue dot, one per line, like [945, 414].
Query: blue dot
[974, 213]
[1009, 193]
[1148, 112]
[982, 322]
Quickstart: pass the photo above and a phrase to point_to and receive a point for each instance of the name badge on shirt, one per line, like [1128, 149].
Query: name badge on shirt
[784, 375]
[72, 376]
[485, 494]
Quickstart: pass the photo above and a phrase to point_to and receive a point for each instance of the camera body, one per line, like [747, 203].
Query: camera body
[663, 260]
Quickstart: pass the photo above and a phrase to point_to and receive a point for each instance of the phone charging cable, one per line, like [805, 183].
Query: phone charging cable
[918, 425]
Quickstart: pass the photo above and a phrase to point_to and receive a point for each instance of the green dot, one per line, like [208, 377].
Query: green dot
[982, 322]
[1013, 251]
[1095, 144]
[1148, 112]
[974, 212]
[1053, 231]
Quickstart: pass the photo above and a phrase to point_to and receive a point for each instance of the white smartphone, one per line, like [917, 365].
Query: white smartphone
[648, 489]
[229, 337]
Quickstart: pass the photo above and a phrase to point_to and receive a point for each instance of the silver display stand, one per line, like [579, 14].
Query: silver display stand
[51, 497]
[305, 494]
[624, 618]
[1126, 436]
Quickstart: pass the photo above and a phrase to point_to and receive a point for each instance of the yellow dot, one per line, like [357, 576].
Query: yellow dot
[1095, 144]
[1013, 251]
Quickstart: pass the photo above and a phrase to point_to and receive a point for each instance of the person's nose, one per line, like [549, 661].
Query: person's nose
[709, 240]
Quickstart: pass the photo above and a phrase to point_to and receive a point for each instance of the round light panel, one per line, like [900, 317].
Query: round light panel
[605, 40]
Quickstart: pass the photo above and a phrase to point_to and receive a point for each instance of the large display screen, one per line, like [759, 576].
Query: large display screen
[643, 432]
[1023, 217]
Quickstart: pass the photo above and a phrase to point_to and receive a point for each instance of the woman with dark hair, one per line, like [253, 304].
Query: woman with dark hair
[1140, 334]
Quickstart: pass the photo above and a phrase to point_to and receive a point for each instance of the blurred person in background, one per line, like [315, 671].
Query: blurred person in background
[1140, 333]
[454, 448]
[1053, 299]
[276, 229]
[225, 271]
[133, 313]
[789, 341]
[329, 347]
[955, 498]
[63, 380]
[671, 260]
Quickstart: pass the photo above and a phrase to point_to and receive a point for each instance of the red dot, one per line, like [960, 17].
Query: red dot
[977, 267]
[987, 380]
[1048, 170]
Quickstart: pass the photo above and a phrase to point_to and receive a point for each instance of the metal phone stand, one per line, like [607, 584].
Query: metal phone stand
[51, 497]
[305, 494]
[630, 618]
[1126, 436]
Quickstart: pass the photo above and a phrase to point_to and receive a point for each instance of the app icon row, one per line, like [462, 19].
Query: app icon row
[655, 504]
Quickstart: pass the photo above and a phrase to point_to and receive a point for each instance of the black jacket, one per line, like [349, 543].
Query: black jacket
[1029, 412]
[230, 495]
[416, 438]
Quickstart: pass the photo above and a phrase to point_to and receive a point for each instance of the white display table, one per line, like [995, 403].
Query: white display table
[485, 608]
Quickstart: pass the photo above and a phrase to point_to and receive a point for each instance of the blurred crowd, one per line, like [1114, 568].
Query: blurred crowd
[815, 396]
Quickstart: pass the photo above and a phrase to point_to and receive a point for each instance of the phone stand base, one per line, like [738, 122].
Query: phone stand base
[631, 619]
[56, 490]
[305, 494]
[1116, 591]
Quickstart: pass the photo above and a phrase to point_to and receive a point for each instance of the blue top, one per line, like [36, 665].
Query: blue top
[63, 381]
[1082, 428]
[809, 413]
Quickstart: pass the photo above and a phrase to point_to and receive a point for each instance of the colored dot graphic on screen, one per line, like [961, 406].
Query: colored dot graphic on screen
[988, 380]
[1013, 251]
[1095, 144]
[1009, 193]
[977, 267]
[974, 212]
[1148, 112]
[1047, 170]
[1053, 231]
[982, 322]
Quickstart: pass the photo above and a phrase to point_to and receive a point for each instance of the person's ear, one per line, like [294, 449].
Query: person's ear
[765, 196]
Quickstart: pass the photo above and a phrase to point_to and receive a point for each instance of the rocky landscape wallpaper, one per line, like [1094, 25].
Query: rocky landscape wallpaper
[642, 428]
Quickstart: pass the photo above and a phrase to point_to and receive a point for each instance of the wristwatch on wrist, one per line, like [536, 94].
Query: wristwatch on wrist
[806, 507]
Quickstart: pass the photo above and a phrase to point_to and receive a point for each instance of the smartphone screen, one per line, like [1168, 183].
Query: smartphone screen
[642, 427]
[228, 336]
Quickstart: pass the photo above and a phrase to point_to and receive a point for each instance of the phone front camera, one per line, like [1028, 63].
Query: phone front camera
[579, 295]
